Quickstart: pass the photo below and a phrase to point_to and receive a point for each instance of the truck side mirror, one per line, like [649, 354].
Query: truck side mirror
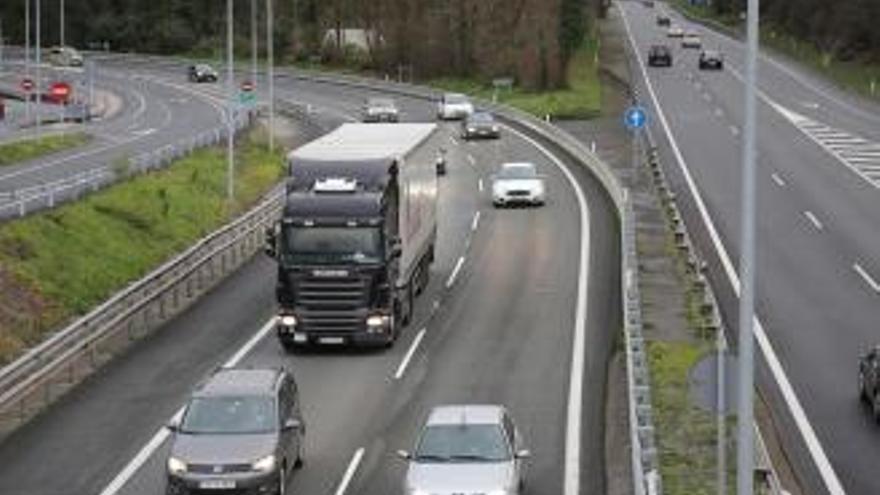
[396, 249]
[271, 242]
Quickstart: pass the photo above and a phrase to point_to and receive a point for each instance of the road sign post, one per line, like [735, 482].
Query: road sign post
[635, 118]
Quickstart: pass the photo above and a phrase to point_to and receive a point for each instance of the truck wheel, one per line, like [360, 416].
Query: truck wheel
[407, 317]
[875, 407]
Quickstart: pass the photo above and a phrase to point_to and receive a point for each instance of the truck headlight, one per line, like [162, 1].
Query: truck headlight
[288, 320]
[265, 464]
[494, 128]
[176, 466]
[377, 321]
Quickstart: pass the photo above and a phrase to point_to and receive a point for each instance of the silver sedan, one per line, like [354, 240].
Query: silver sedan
[467, 449]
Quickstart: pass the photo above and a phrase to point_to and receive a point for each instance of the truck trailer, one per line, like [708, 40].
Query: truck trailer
[356, 238]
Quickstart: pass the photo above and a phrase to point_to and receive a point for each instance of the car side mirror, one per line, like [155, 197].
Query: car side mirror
[404, 455]
[523, 454]
[271, 242]
[396, 249]
[292, 424]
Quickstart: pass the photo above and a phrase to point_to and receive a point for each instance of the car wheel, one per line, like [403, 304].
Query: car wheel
[282, 480]
[875, 407]
[300, 456]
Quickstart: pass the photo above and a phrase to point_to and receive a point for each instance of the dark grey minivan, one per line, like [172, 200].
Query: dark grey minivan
[241, 433]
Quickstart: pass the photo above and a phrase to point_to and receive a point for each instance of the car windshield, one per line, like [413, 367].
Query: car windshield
[481, 118]
[220, 415]
[203, 68]
[517, 172]
[462, 443]
[456, 99]
[330, 245]
[380, 102]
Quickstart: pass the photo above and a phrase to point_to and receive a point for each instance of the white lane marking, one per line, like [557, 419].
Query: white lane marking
[471, 159]
[349, 473]
[476, 221]
[454, 141]
[572, 472]
[812, 218]
[409, 354]
[719, 112]
[454, 274]
[160, 436]
[778, 180]
[734, 130]
[144, 132]
[866, 277]
[480, 184]
[826, 471]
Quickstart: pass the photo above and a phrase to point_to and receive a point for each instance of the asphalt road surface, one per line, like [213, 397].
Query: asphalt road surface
[818, 245]
[499, 329]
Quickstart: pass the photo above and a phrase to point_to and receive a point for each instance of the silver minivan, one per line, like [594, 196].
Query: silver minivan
[467, 449]
[241, 432]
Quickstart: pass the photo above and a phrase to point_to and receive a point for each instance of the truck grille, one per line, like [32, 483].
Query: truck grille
[332, 304]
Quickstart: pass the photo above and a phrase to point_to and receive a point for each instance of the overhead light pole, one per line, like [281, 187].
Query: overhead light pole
[254, 45]
[61, 38]
[745, 466]
[38, 83]
[270, 68]
[230, 108]
[27, 55]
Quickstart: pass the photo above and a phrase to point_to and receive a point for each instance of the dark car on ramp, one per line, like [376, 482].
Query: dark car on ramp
[711, 60]
[659, 56]
[480, 125]
[241, 432]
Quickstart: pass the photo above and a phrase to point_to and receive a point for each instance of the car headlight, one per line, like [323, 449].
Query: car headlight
[288, 320]
[494, 128]
[265, 464]
[176, 466]
[471, 129]
[377, 320]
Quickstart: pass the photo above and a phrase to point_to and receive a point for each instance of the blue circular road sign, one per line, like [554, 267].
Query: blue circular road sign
[635, 118]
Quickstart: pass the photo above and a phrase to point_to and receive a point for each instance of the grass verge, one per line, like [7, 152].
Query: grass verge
[581, 100]
[855, 75]
[28, 149]
[61, 263]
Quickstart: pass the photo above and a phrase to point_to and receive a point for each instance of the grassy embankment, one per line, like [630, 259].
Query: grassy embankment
[856, 75]
[61, 263]
[31, 148]
[581, 100]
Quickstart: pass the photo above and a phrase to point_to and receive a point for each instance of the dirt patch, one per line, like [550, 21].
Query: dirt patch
[22, 313]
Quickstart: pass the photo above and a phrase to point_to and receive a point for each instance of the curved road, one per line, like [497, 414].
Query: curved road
[499, 330]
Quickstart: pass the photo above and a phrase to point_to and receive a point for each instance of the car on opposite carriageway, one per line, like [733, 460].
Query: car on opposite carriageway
[659, 56]
[711, 59]
[202, 73]
[241, 432]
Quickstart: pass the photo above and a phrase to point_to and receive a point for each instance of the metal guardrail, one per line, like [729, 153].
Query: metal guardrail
[26, 200]
[36, 379]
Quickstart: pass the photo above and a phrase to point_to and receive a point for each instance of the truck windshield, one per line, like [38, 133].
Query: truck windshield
[330, 245]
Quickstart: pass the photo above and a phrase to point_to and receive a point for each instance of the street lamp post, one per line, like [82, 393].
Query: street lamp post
[270, 67]
[38, 84]
[254, 45]
[230, 109]
[745, 466]
[61, 37]
[27, 55]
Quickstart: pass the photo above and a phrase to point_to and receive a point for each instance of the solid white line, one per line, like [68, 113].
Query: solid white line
[409, 354]
[455, 271]
[815, 221]
[866, 277]
[826, 471]
[778, 180]
[476, 221]
[480, 184]
[160, 436]
[349, 473]
[572, 471]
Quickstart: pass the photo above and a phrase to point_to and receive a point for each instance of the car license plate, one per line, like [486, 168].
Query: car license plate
[217, 484]
[300, 337]
[331, 340]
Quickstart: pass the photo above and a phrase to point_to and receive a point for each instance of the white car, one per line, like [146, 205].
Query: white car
[518, 183]
[691, 41]
[467, 449]
[675, 32]
[454, 106]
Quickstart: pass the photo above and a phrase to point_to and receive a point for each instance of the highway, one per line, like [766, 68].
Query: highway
[153, 114]
[496, 324]
[818, 251]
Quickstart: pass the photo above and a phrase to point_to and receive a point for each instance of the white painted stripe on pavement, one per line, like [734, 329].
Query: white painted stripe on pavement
[409, 354]
[160, 436]
[812, 218]
[778, 180]
[480, 184]
[476, 221]
[454, 274]
[349, 473]
[866, 277]
[572, 471]
[820, 458]
[471, 159]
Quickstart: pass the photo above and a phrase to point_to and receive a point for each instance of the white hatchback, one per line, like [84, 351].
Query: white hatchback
[518, 183]
[454, 106]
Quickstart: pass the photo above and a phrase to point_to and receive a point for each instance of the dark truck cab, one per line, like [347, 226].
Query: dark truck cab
[356, 238]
